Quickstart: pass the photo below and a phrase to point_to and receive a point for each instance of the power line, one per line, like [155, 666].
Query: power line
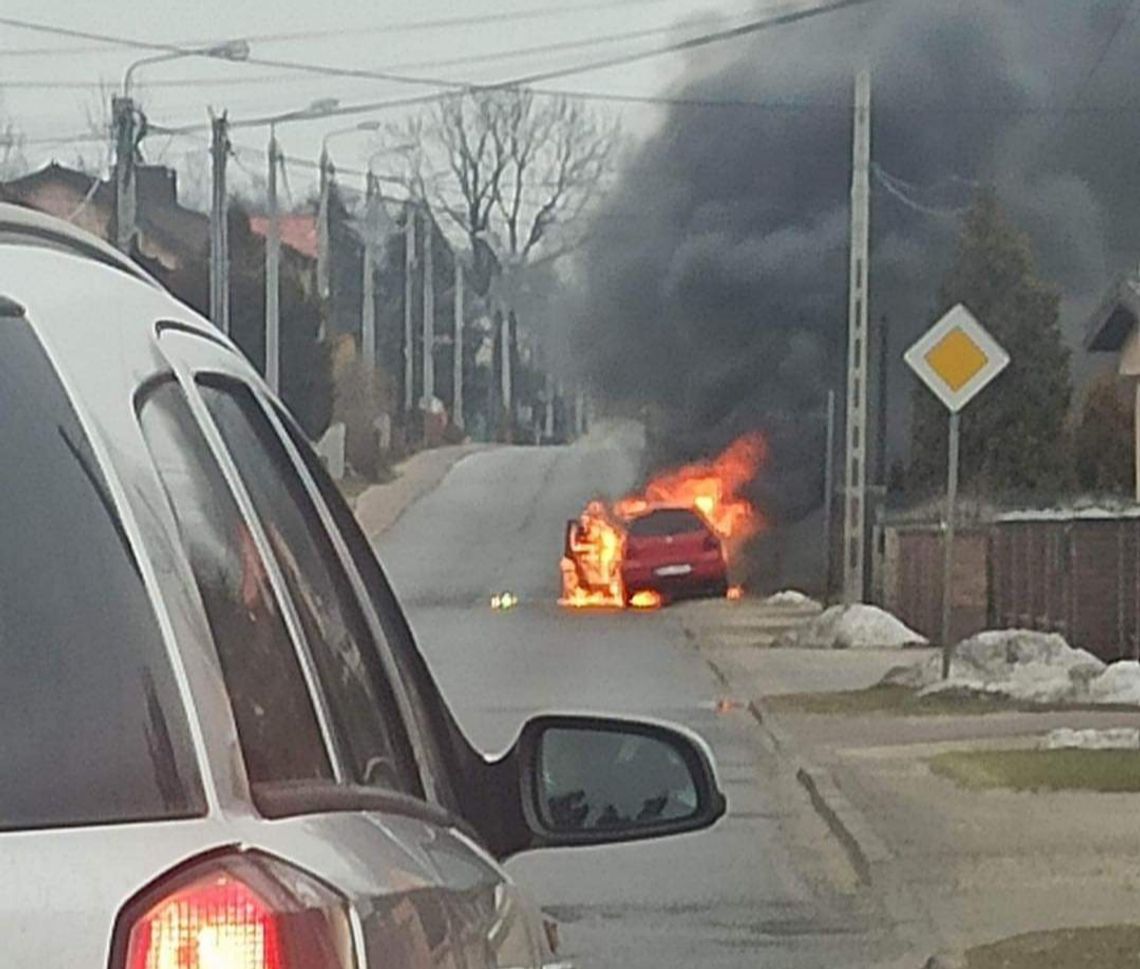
[532, 13]
[1103, 53]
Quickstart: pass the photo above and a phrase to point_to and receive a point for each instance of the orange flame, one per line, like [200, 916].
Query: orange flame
[713, 488]
[591, 571]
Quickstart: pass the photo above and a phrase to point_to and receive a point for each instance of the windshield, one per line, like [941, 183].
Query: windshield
[671, 521]
[93, 727]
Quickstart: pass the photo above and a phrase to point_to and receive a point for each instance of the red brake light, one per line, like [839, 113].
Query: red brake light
[237, 912]
[218, 923]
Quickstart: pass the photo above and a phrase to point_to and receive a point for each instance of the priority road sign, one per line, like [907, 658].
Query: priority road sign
[956, 358]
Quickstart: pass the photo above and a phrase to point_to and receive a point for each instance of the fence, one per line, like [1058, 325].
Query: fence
[1075, 573]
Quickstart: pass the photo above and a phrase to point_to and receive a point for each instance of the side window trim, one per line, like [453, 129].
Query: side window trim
[375, 627]
[276, 579]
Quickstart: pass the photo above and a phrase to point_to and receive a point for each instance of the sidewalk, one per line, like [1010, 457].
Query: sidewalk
[955, 867]
[379, 505]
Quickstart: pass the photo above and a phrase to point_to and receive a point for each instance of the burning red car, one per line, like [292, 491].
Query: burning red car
[676, 539]
[675, 553]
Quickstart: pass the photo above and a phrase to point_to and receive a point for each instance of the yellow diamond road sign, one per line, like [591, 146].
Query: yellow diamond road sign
[956, 358]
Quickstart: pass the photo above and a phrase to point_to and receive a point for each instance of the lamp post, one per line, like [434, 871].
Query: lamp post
[127, 132]
[316, 109]
[323, 227]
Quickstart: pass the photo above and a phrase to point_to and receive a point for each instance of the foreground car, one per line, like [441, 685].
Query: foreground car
[222, 747]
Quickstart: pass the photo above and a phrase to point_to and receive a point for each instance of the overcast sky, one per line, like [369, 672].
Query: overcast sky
[52, 86]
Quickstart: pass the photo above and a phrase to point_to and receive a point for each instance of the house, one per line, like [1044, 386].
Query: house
[169, 234]
[1115, 328]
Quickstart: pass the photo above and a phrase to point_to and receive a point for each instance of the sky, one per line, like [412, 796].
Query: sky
[54, 87]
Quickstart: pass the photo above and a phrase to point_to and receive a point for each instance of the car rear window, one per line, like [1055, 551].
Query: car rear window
[92, 724]
[666, 521]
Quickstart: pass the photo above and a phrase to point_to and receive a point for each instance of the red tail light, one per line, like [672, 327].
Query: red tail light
[243, 911]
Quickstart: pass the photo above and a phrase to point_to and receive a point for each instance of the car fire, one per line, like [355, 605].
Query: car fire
[677, 537]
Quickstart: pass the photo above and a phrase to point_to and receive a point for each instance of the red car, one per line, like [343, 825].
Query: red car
[674, 552]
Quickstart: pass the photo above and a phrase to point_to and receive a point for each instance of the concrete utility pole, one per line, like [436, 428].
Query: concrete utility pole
[828, 492]
[548, 410]
[272, 272]
[368, 307]
[325, 182]
[855, 466]
[457, 353]
[429, 314]
[409, 293]
[123, 121]
[505, 373]
[219, 227]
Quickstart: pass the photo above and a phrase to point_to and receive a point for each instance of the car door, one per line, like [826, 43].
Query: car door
[444, 902]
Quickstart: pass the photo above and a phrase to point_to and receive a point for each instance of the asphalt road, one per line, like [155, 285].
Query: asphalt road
[737, 895]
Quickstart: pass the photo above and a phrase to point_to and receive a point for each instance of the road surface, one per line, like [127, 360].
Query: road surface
[737, 895]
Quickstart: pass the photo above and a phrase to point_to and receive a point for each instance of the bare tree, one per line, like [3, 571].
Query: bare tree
[509, 168]
[13, 162]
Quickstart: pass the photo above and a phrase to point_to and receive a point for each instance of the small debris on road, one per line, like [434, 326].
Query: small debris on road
[504, 600]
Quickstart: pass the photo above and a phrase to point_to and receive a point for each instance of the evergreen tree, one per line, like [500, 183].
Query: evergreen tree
[1012, 435]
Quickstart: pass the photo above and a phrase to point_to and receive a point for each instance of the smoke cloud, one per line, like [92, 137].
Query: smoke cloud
[714, 287]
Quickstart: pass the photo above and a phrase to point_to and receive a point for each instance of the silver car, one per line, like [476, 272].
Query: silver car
[220, 746]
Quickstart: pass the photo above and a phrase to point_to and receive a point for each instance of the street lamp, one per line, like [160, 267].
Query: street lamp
[316, 109]
[127, 133]
[230, 50]
[325, 169]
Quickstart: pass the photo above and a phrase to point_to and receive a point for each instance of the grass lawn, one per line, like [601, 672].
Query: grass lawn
[887, 699]
[1042, 770]
[1105, 947]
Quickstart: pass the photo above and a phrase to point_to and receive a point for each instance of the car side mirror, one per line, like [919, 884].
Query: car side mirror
[585, 780]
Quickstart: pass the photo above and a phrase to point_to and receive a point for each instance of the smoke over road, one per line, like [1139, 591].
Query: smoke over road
[715, 284]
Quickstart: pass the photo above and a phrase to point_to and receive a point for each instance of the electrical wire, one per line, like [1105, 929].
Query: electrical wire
[532, 13]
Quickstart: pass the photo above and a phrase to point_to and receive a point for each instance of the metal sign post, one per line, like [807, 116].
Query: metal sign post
[955, 358]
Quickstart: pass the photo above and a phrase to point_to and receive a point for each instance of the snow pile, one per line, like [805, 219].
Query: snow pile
[791, 598]
[1119, 683]
[1021, 664]
[1111, 738]
[852, 627]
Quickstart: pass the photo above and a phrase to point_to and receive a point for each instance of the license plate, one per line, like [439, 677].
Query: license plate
[668, 570]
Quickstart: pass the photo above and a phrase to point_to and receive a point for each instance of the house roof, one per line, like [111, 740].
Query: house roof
[159, 215]
[298, 231]
[1108, 327]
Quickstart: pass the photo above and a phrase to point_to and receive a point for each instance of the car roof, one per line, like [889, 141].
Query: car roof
[27, 227]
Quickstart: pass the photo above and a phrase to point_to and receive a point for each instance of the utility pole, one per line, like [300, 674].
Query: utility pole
[855, 466]
[505, 374]
[219, 226]
[548, 410]
[828, 493]
[123, 121]
[429, 314]
[457, 355]
[881, 462]
[325, 182]
[368, 307]
[272, 270]
[409, 293]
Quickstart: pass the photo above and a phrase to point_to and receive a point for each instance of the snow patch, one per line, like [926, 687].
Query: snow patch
[856, 626]
[792, 597]
[1111, 738]
[1120, 683]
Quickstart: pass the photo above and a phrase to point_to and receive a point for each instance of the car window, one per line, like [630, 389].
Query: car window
[667, 521]
[360, 698]
[92, 723]
[426, 700]
[248, 629]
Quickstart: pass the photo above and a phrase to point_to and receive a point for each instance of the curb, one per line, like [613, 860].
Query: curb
[862, 846]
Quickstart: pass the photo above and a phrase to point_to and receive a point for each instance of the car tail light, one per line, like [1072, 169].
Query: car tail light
[241, 911]
[711, 543]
